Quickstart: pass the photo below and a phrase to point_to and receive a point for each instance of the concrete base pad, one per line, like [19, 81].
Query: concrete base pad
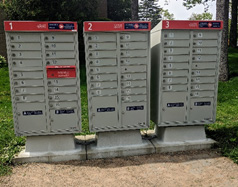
[51, 149]
[119, 144]
[162, 147]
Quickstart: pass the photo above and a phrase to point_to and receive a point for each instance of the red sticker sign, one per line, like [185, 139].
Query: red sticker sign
[61, 71]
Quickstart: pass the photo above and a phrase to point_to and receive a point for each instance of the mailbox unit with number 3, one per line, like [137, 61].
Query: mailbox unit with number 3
[185, 67]
[118, 75]
[44, 76]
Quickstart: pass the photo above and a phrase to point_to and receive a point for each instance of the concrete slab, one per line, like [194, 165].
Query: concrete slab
[162, 147]
[51, 149]
[118, 144]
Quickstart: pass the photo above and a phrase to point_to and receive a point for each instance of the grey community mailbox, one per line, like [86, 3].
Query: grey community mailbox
[118, 75]
[184, 77]
[44, 75]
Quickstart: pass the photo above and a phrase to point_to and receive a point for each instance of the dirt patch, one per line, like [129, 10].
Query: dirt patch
[196, 168]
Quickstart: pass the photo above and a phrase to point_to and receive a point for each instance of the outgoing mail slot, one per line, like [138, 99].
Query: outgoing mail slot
[100, 37]
[64, 119]
[203, 87]
[173, 106]
[103, 62]
[175, 65]
[131, 84]
[63, 104]
[102, 46]
[203, 73]
[205, 50]
[175, 87]
[133, 61]
[26, 54]
[17, 37]
[133, 91]
[126, 69]
[59, 46]
[173, 34]
[98, 70]
[209, 65]
[61, 82]
[63, 97]
[202, 94]
[26, 63]
[205, 34]
[104, 92]
[205, 58]
[201, 109]
[33, 114]
[61, 71]
[203, 80]
[59, 37]
[61, 62]
[174, 73]
[60, 54]
[176, 43]
[176, 51]
[28, 74]
[134, 114]
[133, 98]
[23, 83]
[133, 53]
[102, 85]
[134, 45]
[205, 43]
[102, 54]
[132, 36]
[177, 80]
[29, 90]
[107, 77]
[180, 58]
[65, 89]
[133, 76]
[30, 98]
[25, 46]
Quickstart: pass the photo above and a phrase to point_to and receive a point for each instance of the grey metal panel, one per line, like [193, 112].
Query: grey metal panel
[103, 62]
[206, 65]
[29, 90]
[101, 37]
[133, 53]
[103, 85]
[27, 74]
[134, 45]
[133, 36]
[26, 63]
[24, 37]
[126, 84]
[26, 46]
[133, 76]
[102, 46]
[175, 87]
[26, 54]
[61, 82]
[176, 34]
[202, 94]
[64, 89]
[203, 87]
[173, 73]
[57, 62]
[19, 83]
[97, 70]
[103, 77]
[176, 43]
[176, 65]
[127, 69]
[133, 61]
[177, 80]
[27, 123]
[205, 58]
[203, 73]
[205, 50]
[134, 98]
[63, 97]
[60, 54]
[102, 54]
[63, 104]
[176, 51]
[57, 37]
[180, 58]
[30, 98]
[60, 46]
[205, 43]
[203, 79]
[206, 34]
[104, 92]
[129, 91]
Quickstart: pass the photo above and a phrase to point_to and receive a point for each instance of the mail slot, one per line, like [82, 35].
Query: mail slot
[61, 71]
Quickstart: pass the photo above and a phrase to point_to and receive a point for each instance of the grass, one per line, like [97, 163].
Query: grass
[225, 130]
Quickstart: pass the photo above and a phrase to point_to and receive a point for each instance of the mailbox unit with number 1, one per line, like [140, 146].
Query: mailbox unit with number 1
[185, 67]
[118, 75]
[44, 76]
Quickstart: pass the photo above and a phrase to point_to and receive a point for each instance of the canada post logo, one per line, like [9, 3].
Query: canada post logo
[137, 26]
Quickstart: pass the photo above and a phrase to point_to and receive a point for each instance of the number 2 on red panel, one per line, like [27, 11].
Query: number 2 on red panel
[90, 26]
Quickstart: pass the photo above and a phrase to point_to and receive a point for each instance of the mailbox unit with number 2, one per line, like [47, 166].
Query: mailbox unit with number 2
[185, 67]
[44, 76]
[118, 75]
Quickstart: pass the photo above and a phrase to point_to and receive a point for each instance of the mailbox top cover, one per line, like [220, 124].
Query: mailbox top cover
[95, 26]
[40, 26]
[188, 24]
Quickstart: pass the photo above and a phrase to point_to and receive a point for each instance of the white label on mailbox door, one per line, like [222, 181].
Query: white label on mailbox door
[128, 83]
[98, 92]
[197, 87]
[98, 77]
[199, 50]
[97, 69]
[171, 42]
[197, 72]
[200, 35]
[56, 89]
[171, 34]
[171, 50]
[95, 37]
[199, 58]
[199, 42]
[98, 84]
[197, 79]
[97, 61]
[170, 79]
[170, 58]
[128, 91]
[170, 65]
[23, 90]
[169, 87]
[170, 73]
[95, 46]
[96, 53]
[127, 37]
[128, 76]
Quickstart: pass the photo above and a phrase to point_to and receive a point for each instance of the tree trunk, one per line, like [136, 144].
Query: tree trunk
[222, 11]
[233, 29]
[134, 10]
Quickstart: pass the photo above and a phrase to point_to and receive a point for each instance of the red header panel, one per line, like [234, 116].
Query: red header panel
[187, 24]
[60, 26]
[93, 26]
[61, 71]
